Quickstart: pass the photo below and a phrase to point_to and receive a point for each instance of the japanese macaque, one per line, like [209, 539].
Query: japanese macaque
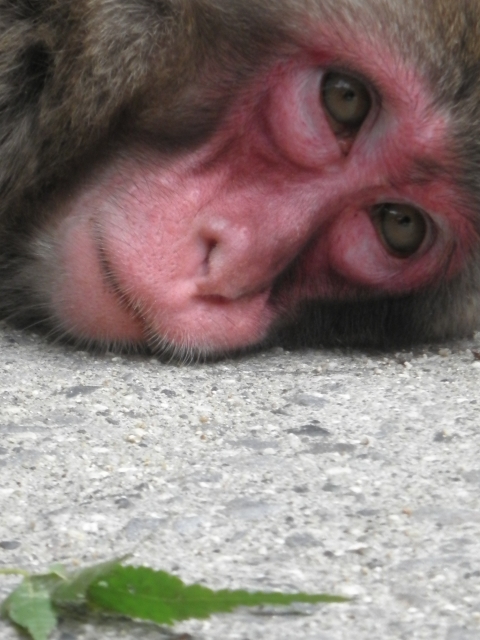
[202, 176]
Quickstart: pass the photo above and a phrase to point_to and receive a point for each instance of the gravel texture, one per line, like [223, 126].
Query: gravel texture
[352, 472]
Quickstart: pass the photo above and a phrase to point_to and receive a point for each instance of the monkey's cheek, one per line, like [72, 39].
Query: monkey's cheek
[83, 301]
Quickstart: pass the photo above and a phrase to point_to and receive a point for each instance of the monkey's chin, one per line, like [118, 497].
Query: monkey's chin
[208, 328]
[204, 326]
[211, 325]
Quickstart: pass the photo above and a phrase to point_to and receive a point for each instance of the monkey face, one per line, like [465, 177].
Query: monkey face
[327, 175]
[319, 183]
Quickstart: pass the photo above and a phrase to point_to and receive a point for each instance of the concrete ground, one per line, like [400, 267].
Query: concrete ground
[350, 472]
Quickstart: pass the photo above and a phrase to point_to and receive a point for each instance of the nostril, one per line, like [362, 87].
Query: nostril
[209, 245]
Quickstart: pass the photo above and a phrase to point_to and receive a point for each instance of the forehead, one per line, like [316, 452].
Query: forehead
[441, 37]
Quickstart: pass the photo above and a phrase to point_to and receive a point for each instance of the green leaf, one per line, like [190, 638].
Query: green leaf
[140, 592]
[30, 606]
[72, 591]
[137, 592]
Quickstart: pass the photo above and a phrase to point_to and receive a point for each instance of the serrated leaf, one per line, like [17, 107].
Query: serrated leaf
[138, 592]
[30, 606]
[143, 593]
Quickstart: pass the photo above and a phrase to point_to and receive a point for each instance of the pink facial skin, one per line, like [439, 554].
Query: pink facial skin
[187, 251]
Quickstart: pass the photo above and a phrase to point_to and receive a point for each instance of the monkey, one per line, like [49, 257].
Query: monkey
[201, 177]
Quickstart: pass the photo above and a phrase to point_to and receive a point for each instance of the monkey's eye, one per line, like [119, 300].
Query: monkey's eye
[346, 100]
[402, 228]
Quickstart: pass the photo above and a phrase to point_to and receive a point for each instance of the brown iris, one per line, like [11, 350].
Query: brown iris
[346, 100]
[403, 228]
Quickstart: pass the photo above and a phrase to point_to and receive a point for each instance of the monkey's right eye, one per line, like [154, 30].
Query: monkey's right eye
[347, 102]
[403, 228]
